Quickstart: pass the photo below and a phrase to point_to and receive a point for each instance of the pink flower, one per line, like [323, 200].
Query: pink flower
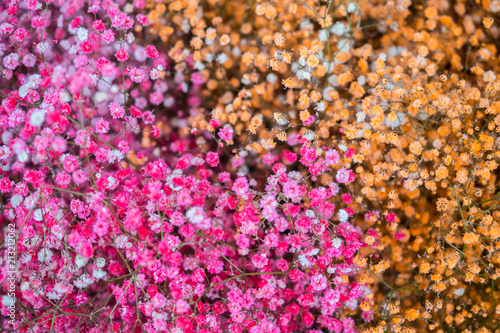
[99, 25]
[86, 249]
[342, 175]
[117, 111]
[11, 61]
[291, 189]
[137, 75]
[197, 78]
[226, 133]
[38, 22]
[346, 198]
[332, 157]
[86, 47]
[108, 36]
[391, 217]
[399, 235]
[181, 306]
[152, 52]
[308, 155]
[308, 319]
[224, 177]
[282, 265]
[288, 156]
[133, 219]
[303, 224]
[240, 186]
[318, 283]
[101, 126]
[79, 177]
[70, 163]
[260, 260]
[212, 159]
[142, 19]
[121, 55]
[148, 117]
[63, 180]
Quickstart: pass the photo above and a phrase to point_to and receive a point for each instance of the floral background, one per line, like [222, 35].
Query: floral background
[250, 166]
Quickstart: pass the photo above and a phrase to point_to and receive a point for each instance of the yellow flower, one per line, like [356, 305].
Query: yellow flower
[412, 314]
[224, 39]
[488, 22]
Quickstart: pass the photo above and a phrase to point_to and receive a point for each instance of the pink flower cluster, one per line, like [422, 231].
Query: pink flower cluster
[115, 235]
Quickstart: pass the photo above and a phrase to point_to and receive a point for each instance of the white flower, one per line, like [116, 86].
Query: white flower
[459, 291]
[195, 215]
[54, 295]
[343, 215]
[83, 281]
[34, 81]
[313, 252]
[111, 181]
[99, 273]
[82, 34]
[24, 90]
[322, 35]
[30, 201]
[44, 255]
[222, 58]
[360, 116]
[25, 258]
[310, 213]
[22, 156]
[80, 261]
[271, 78]
[100, 262]
[337, 242]
[42, 47]
[281, 284]
[154, 74]
[338, 29]
[320, 107]
[25, 286]
[38, 215]
[6, 300]
[6, 137]
[495, 6]
[209, 57]
[303, 75]
[37, 117]
[114, 156]
[5, 152]
[197, 161]
[304, 261]
[16, 200]
[309, 135]
[61, 288]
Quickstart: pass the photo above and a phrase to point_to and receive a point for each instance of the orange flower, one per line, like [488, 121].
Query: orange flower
[488, 22]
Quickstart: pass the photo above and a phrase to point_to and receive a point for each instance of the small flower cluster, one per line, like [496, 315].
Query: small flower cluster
[409, 91]
[125, 220]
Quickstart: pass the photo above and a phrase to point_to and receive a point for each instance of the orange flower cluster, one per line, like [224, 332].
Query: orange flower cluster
[413, 88]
